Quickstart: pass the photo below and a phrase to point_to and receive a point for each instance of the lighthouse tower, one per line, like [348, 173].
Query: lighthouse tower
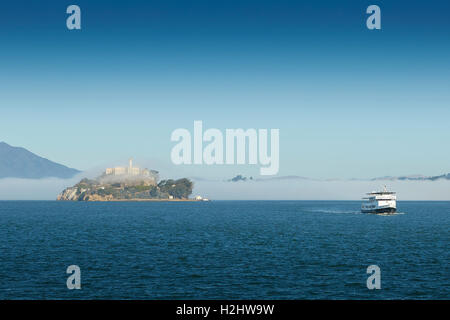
[132, 171]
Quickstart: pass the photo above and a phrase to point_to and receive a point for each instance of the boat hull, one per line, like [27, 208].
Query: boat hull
[379, 210]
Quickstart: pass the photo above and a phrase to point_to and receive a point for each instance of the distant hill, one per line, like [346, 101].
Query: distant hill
[16, 162]
[416, 178]
[387, 178]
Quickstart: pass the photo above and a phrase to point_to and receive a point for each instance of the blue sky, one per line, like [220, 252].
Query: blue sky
[349, 102]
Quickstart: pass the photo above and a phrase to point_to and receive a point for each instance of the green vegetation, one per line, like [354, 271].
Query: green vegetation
[179, 189]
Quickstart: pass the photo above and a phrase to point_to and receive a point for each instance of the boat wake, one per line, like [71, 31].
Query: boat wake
[336, 211]
[391, 214]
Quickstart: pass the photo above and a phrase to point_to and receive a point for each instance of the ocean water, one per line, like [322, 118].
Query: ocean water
[223, 250]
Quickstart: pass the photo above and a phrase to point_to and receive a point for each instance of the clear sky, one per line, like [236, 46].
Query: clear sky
[349, 102]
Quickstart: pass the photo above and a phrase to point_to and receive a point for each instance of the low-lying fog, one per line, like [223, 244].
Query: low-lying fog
[289, 189]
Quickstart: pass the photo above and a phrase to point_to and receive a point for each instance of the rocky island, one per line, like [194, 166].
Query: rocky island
[129, 184]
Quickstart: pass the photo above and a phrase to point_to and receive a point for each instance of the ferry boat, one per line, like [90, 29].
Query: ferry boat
[380, 202]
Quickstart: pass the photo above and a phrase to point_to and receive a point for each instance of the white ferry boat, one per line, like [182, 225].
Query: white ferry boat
[380, 202]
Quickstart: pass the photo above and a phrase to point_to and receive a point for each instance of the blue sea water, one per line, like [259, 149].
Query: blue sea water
[223, 250]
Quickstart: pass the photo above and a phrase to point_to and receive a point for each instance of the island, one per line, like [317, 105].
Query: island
[129, 184]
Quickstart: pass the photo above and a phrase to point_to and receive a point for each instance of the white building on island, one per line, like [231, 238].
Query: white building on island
[130, 170]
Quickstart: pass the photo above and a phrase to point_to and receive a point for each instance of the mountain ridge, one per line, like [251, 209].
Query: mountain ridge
[18, 162]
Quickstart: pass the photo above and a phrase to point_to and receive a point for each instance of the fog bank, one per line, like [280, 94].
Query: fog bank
[300, 189]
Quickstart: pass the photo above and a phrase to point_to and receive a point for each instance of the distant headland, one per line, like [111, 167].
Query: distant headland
[18, 162]
[129, 184]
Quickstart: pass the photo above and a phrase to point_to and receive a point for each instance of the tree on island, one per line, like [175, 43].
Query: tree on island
[180, 189]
